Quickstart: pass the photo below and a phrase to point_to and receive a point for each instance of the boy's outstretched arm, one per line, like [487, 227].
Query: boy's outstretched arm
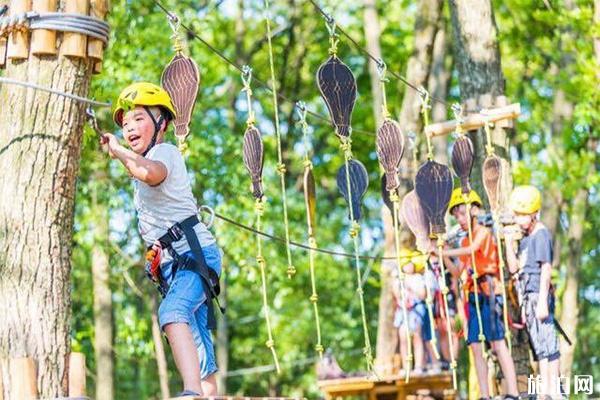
[148, 171]
[511, 254]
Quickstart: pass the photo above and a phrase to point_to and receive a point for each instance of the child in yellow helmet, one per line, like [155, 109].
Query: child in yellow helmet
[489, 291]
[531, 264]
[412, 264]
[185, 252]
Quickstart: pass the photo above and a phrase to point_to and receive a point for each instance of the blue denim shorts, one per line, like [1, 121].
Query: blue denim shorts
[491, 319]
[417, 317]
[185, 302]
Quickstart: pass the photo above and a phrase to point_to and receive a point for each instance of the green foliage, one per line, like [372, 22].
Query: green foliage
[544, 51]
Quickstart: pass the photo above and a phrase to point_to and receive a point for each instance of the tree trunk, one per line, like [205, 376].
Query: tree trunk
[439, 82]
[223, 337]
[103, 318]
[477, 58]
[159, 351]
[419, 64]
[372, 32]
[40, 141]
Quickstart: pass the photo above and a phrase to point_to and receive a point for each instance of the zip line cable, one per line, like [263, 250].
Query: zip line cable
[378, 61]
[262, 83]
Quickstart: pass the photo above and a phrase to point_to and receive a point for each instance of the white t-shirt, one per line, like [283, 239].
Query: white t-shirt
[162, 206]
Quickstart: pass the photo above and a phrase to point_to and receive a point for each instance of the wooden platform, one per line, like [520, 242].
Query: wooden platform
[389, 388]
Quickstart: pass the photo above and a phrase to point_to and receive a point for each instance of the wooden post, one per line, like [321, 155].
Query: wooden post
[475, 121]
[18, 42]
[75, 44]
[3, 45]
[76, 375]
[95, 49]
[23, 378]
[43, 41]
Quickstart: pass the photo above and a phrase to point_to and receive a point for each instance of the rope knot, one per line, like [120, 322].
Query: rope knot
[291, 271]
[260, 260]
[319, 349]
[307, 164]
[281, 169]
[394, 198]
[355, 229]
[314, 298]
[259, 207]
[445, 290]
[270, 343]
[360, 291]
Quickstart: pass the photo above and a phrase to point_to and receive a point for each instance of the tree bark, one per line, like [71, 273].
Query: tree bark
[40, 141]
[159, 351]
[419, 65]
[103, 318]
[477, 57]
[439, 82]
[372, 32]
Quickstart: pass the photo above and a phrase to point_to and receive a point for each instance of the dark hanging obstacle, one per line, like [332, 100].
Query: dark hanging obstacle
[254, 159]
[359, 182]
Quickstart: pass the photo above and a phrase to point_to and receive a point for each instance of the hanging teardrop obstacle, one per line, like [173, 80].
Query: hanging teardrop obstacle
[253, 160]
[492, 174]
[417, 222]
[390, 148]
[353, 180]
[181, 79]
[310, 203]
[433, 185]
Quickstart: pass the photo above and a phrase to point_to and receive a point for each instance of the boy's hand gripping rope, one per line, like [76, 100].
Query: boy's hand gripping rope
[259, 208]
[281, 170]
[497, 227]
[312, 242]
[346, 147]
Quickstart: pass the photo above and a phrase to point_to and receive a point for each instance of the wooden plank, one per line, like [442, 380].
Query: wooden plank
[43, 41]
[95, 47]
[475, 121]
[77, 375]
[237, 398]
[18, 42]
[75, 44]
[23, 378]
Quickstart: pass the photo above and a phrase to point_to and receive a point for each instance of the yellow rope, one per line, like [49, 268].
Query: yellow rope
[259, 208]
[444, 289]
[409, 356]
[490, 152]
[346, 146]
[312, 242]
[281, 170]
[270, 343]
[425, 107]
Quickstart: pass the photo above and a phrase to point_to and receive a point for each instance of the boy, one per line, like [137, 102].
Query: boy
[168, 222]
[418, 320]
[532, 264]
[490, 302]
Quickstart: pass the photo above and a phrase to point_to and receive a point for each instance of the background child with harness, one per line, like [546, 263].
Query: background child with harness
[531, 266]
[184, 259]
[412, 264]
[489, 294]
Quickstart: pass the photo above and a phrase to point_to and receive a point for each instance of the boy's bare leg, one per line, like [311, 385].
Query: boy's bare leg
[553, 378]
[418, 350]
[403, 348]
[481, 368]
[507, 365]
[209, 385]
[185, 355]
[543, 371]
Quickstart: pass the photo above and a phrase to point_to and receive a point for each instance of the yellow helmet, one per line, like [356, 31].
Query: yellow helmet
[457, 198]
[525, 199]
[142, 94]
[415, 257]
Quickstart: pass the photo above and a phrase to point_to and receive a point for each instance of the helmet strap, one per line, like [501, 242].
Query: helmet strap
[157, 123]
